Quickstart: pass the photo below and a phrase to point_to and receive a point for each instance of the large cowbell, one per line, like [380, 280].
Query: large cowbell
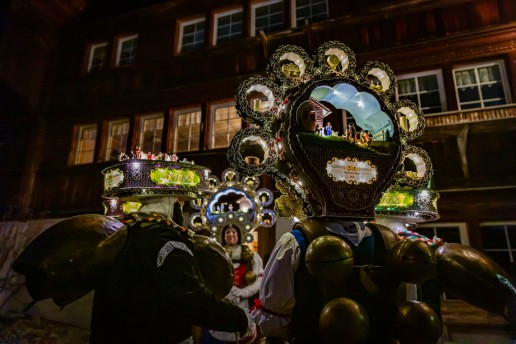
[65, 260]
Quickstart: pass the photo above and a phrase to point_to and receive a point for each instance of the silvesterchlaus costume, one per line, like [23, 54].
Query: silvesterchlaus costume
[153, 279]
[236, 208]
[337, 277]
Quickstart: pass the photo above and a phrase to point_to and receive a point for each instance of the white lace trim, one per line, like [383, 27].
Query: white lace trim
[169, 247]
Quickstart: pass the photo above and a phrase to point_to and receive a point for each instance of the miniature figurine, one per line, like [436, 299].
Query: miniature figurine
[328, 130]
[138, 153]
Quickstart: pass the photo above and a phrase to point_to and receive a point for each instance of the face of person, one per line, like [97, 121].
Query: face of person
[231, 237]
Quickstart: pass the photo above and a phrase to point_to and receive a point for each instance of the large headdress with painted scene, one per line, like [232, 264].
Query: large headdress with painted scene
[129, 180]
[328, 133]
[236, 200]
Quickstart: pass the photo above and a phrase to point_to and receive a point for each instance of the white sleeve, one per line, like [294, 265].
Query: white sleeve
[253, 288]
[277, 290]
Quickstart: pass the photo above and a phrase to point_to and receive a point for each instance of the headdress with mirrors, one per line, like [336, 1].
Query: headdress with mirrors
[328, 133]
[234, 200]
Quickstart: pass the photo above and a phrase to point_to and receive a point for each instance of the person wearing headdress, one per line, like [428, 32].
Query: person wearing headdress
[154, 292]
[248, 272]
[248, 267]
[338, 277]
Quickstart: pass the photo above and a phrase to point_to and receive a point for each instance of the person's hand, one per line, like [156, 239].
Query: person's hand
[231, 297]
[249, 335]
[237, 292]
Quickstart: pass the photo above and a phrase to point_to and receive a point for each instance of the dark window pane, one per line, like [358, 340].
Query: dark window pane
[451, 235]
[426, 231]
[188, 29]
[493, 237]
[494, 92]
[224, 20]
[511, 231]
[501, 258]
[468, 94]
[428, 83]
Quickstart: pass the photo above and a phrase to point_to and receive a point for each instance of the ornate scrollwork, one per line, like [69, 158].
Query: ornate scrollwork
[379, 77]
[335, 58]
[290, 65]
[410, 119]
[416, 168]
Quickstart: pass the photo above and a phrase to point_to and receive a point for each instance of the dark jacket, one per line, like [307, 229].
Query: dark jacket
[141, 302]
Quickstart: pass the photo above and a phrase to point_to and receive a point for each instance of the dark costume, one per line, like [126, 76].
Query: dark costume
[154, 292]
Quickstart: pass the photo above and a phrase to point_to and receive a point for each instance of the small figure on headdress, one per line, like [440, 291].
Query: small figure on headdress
[138, 152]
[365, 137]
[350, 132]
[328, 130]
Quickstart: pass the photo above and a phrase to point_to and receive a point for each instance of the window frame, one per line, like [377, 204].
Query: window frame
[211, 110]
[107, 154]
[256, 5]
[91, 50]
[462, 226]
[175, 113]
[293, 12]
[181, 26]
[78, 143]
[440, 85]
[119, 44]
[141, 126]
[503, 76]
[508, 248]
[215, 21]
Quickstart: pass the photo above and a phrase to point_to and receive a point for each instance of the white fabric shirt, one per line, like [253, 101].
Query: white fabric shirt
[240, 296]
[277, 290]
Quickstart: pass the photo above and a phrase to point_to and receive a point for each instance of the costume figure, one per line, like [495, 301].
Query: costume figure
[248, 272]
[138, 154]
[328, 130]
[233, 230]
[337, 277]
[154, 280]
[154, 291]
[248, 267]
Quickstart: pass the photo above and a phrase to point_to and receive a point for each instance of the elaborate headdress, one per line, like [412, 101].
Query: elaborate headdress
[235, 201]
[323, 169]
[128, 181]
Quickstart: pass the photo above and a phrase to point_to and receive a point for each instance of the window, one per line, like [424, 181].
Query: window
[267, 16]
[192, 35]
[481, 85]
[187, 130]
[86, 139]
[228, 25]
[126, 51]
[313, 10]
[499, 241]
[151, 133]
[424, 89]
[97, 58]
[449, 232]
[117, 139]
[225, 124]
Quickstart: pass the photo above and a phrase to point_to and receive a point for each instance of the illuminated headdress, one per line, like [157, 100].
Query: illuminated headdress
[235, 201]
[129, 180]
[327, 133]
